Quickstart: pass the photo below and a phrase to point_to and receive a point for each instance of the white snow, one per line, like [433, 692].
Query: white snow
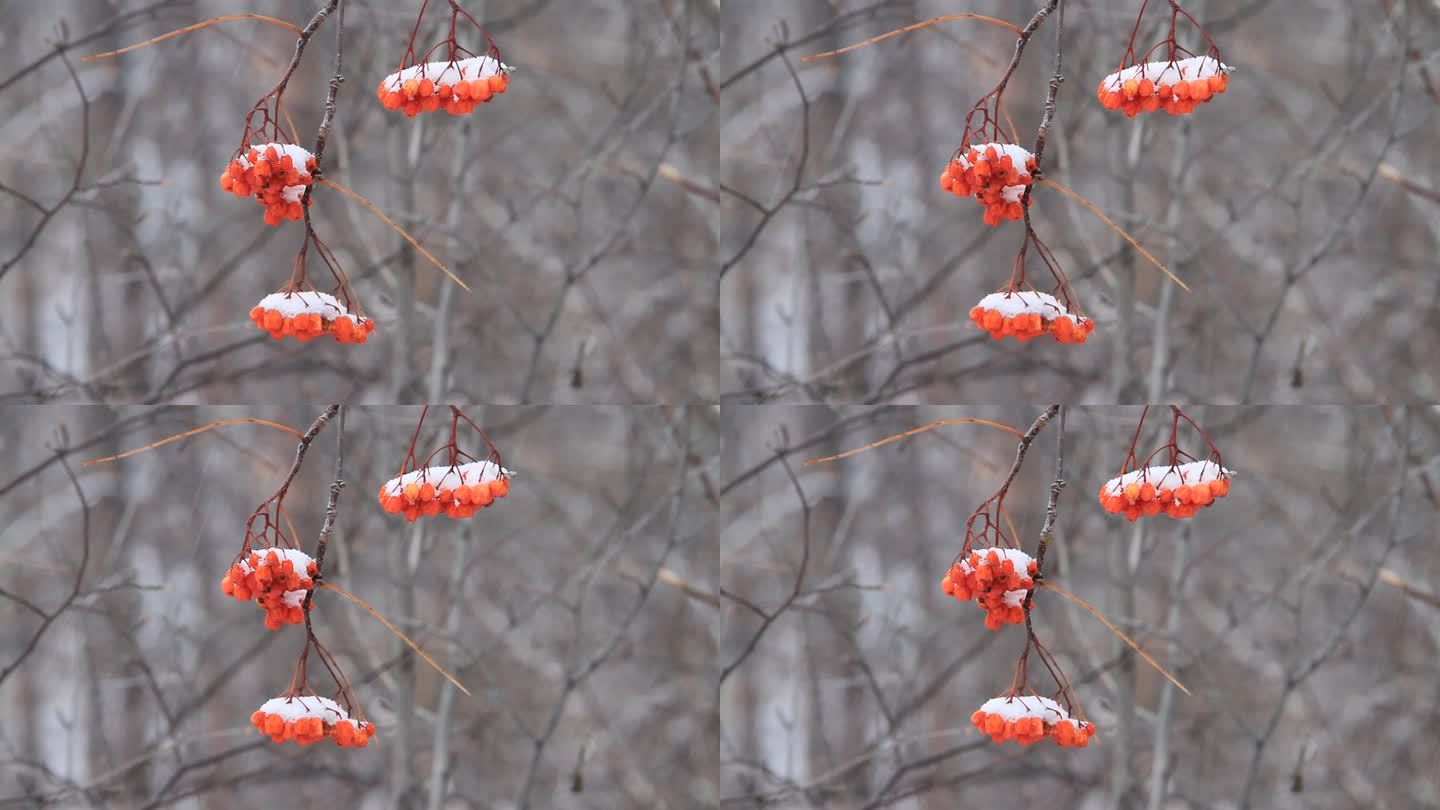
[447, 478]
[1021, 559]
[1015, 555]
[1014, 708]
[294, 708]
[294, 303]
[1166, 477]
[1196, 67]
[1019, 155]
[298, 558]
[299, 155]
[1010, 304]
[292, 193]
[477, 67]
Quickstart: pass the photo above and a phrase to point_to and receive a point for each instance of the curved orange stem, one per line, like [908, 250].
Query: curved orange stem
[408, 238]
[416, 647]
[911, 432]
[201, 24]
[1117, 631]
[1127, 237]
[178, 436]
[897, 32]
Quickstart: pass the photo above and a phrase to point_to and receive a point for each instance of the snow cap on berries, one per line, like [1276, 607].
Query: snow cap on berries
[275, 174]
[307, 314]
[455, 86]
[458, 491]
[1178, 491]
[997, 579]
[995, 174]
[275, 578]
[309, 718]
[1175, 86]
[1029, 718]
[1028, 314]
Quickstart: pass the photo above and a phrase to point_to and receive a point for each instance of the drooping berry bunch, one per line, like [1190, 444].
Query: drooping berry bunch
[278, 580]
[1177, 488]
[277, 175]
[1176, 83]
[454, 84]
[300, 311]
[310, 718]
[988, 166]
[995, 174]
[998, 579]
[459, 488]
[1030, 718]
[1018, 310]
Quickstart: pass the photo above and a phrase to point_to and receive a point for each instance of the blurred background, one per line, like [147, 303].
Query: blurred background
[577, 610]
[1301, 611]
[1301, 206]
[577, 206]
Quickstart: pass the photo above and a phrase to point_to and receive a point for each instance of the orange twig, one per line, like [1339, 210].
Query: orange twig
[913, 431]
[201, 24]
[1127, 237]
[897, 32]
[1117, 631]
[408, 238]
[416, 647]
[179, 436]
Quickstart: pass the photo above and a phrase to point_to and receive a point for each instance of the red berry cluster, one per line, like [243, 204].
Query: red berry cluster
[276, 579]
[276, 175]
[997, 579]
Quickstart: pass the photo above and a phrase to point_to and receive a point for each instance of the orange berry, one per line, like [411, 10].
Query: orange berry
[1130, 88]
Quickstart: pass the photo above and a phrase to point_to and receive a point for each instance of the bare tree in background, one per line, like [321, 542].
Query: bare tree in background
[575, 611]
[577, 208]
[1300, 610]
[1299, 206]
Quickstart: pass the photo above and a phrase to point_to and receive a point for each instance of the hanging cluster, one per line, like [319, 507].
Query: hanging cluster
[997, 579]
[995, 174]
[1031, 718]
[455, 83]
[1175, 87]
[1178, 488]
[1175, 83]
[1028, 314]
[310, 718]
[460, 487]
[455, 87]
[275, 174]
[306, 315]
[277, 579]
[1178, 491]
[459, 492]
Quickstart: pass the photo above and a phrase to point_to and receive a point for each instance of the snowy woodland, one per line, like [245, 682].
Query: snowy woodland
[560, 429]
[575, 610]
[1301, 206]
[578, 209]
[1300, 610]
